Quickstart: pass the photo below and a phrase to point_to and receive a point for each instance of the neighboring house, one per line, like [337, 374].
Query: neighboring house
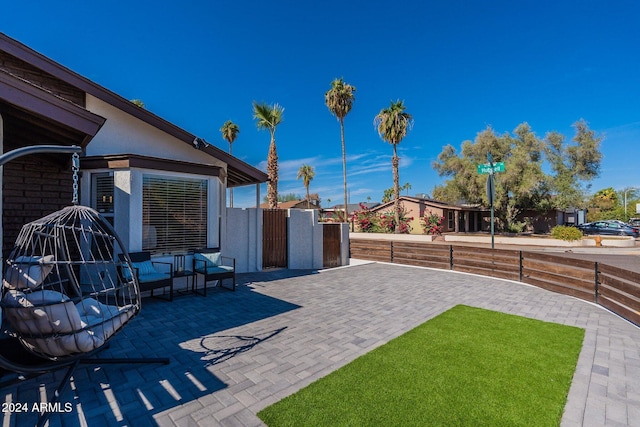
[295, 204]
[162, 187]
[337, 210]
[456, 218]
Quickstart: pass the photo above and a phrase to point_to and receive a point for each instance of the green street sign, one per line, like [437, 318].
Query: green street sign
[486, 168]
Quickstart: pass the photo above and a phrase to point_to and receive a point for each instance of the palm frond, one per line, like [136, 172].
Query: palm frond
[339, 99]
[393, 122]
[230, 131]
[267, 116]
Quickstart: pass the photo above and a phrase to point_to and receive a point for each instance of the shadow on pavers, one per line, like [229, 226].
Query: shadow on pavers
[118, 395]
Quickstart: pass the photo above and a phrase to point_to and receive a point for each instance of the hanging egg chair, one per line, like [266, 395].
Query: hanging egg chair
[64, 293]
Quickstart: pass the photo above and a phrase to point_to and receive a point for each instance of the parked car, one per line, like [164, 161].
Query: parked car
[609, 227]
[634, 222]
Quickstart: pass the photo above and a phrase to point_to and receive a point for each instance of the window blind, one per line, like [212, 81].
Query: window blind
[174, 214]
[103, 193]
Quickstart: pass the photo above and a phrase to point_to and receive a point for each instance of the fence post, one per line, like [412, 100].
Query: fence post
[391, 251]
[450, 257]
[597, 280]
[520, 269]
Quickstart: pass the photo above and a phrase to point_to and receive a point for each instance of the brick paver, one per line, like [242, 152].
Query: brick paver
[234, 353]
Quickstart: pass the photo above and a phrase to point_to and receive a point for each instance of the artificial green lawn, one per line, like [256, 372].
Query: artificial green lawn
[465, 367]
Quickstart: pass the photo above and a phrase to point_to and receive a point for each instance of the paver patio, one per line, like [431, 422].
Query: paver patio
[233, 353]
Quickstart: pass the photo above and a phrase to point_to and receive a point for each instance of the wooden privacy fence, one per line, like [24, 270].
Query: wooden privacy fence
[274, 238]
[614, 288]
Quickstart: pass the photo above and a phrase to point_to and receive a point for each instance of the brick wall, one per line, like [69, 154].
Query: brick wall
[33, 186]
[39, 78]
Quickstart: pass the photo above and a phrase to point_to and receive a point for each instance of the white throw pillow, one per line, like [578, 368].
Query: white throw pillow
[28, 272]
[211, 259]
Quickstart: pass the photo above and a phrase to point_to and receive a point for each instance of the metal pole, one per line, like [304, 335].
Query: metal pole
[34, 149]
[490, 194]
[492, 209]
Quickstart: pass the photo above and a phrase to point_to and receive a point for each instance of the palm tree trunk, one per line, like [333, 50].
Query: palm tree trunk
[308, 205]
[230, 189]
[272, 173]
[344, 169]
[396, 188]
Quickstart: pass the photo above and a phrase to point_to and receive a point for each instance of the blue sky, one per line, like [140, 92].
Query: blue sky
[459, 66]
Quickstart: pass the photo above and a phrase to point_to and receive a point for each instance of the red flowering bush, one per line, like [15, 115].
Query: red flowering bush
[388, 222]
[431, 223]
[365, 220]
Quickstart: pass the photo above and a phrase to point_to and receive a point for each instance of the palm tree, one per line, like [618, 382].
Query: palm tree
[392, 124]
[269, 117]
[339, 100]
[307, 173]
[230, 132]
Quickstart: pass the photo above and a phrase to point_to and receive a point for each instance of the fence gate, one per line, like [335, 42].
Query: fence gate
[274, 238]
[331, 245]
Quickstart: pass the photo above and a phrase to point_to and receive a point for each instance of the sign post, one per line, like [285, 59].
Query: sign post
[490, 169]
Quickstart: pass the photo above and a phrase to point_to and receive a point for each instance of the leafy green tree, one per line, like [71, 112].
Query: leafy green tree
[393, 123]
[269, 117]
[573, 165]
[523, 185]
[604, 204]
[284, 197]
[339, 99]
[138, 102]
[387, 196]
[230, 132]
[307, 173]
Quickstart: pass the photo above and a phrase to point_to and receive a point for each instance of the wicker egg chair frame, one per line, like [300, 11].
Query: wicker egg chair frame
[67, 289]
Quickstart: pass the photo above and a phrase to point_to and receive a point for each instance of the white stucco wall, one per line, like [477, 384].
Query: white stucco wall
[243, 239]
[125, 134]
[305, 239]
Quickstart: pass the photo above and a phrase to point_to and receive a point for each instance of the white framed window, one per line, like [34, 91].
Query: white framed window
[174, 214]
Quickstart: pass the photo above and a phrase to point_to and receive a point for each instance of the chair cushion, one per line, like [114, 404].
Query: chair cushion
[143, 267]
[62, 324]
[153, 277]
[211, 259]
[41, 312]
[28, 272]
[215, 269]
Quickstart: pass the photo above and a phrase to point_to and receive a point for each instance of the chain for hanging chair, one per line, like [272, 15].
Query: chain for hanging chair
[75, 168]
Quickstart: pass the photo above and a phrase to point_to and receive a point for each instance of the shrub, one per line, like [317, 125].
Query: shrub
[365, 220]
[516, 227]
[388, 221]
[431, 223]
[564, 232]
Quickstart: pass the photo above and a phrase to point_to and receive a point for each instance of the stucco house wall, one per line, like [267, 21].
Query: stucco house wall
[125, 134]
